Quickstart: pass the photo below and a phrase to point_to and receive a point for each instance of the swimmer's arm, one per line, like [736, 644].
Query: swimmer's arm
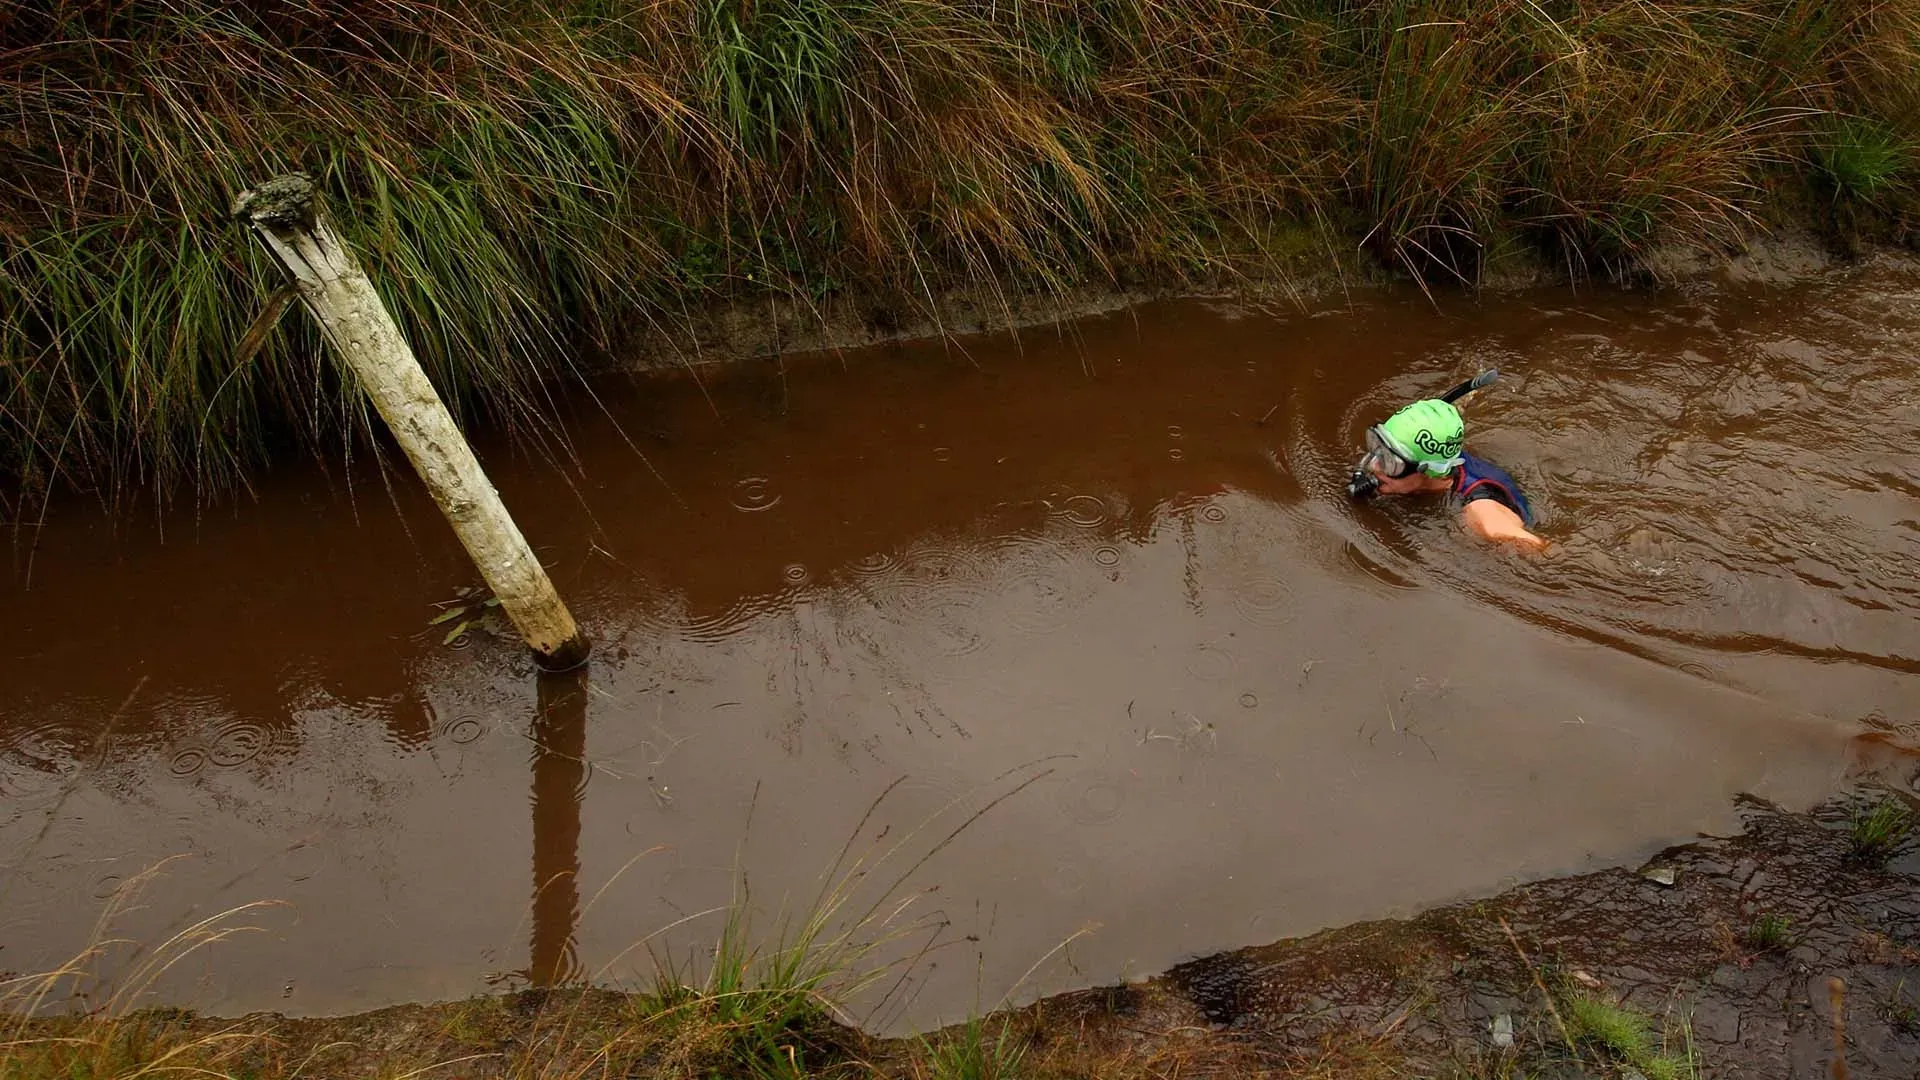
[1489, 520]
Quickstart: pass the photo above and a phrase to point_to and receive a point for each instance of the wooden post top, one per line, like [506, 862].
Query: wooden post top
[284, 202]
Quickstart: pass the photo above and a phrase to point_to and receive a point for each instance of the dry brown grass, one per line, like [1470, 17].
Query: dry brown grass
[529, 182]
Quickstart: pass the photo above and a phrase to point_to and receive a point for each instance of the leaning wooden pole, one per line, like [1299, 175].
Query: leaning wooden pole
[284, 214]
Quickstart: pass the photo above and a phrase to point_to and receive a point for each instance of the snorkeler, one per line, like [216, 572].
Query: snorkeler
[1422, 450]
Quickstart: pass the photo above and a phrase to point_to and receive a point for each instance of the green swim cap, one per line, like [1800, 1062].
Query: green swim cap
[1429, 433]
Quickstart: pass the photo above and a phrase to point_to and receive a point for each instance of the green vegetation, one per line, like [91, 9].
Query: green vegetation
[1622, 1036]
[967, 1052]
[760, 1013]
[1771, 933]
[1876, 831]
[531, 183]
[1862, 158]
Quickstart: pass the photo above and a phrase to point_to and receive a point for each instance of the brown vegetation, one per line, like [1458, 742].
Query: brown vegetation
[531, 183]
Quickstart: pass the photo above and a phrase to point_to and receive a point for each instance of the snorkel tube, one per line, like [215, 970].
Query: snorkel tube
[1363, 484]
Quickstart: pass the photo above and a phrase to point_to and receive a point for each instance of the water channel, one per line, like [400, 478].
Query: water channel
[1068, 648]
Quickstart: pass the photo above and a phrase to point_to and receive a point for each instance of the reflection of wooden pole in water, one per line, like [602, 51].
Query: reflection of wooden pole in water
[284, 215]
[559, 770]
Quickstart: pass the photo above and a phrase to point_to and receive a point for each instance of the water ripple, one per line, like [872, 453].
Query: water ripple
[1040, 585]
[463, 729]
[187, 762]
[1091, 798]
[1084, 511]
[1264, 601]
[237, 743]
[753, 494]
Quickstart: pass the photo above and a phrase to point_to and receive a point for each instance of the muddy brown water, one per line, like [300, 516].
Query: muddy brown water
[1069, 649]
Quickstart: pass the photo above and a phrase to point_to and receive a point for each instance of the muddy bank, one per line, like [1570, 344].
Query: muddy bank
[1734, 941]
[770, 327]
[1726, 950]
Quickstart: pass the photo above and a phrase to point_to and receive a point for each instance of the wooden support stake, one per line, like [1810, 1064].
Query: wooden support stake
[284, 215]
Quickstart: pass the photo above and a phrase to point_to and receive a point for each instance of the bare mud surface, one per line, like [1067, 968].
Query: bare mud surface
[1687, 951]
[755, 330]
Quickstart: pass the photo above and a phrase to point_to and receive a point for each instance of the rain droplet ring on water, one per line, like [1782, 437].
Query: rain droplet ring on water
[751, 495]
[1084, 511]
[878, 562]
[237, 744]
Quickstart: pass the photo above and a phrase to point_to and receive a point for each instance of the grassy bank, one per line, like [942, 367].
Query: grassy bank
[532, 183]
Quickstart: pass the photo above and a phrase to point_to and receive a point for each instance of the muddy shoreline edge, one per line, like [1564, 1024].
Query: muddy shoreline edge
[766, 329]
[1723, 957]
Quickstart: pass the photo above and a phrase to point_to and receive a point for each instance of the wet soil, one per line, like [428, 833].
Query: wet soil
[757, 330]
[1756, 1005]
[1064, 637]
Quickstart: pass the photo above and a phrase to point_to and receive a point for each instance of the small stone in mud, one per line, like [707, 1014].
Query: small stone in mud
[1503, 1031]
[1661, 875]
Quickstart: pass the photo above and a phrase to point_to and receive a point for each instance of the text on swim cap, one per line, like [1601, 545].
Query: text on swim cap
[1437, 447]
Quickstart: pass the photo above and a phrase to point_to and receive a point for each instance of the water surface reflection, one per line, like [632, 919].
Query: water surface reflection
[1242, 707]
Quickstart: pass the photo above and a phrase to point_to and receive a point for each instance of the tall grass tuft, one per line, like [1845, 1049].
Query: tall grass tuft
[1639, 131]
[534, 183]
[1865, 159]
[1771, 932]
[763, 1010]
[1623, 1036]
[1876, 831]
[970, 1052]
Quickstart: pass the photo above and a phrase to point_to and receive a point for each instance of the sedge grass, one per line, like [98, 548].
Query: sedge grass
[970, 1052]
[1876, 830]
[527, 183]
[1771, 932]
[1624, 1036]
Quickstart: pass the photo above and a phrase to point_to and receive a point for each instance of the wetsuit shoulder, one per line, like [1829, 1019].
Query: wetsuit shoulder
[1478, 478]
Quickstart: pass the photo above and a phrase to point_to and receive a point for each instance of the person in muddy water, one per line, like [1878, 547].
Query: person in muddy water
[1421, 450]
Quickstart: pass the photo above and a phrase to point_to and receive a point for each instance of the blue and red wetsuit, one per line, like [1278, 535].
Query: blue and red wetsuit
[1478, 478]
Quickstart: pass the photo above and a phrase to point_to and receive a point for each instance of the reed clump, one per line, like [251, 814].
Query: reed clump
[529, 182]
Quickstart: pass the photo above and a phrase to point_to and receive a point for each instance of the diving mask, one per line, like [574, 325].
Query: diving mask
[1381, 459]
[1385, 458]
[1426, 435]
